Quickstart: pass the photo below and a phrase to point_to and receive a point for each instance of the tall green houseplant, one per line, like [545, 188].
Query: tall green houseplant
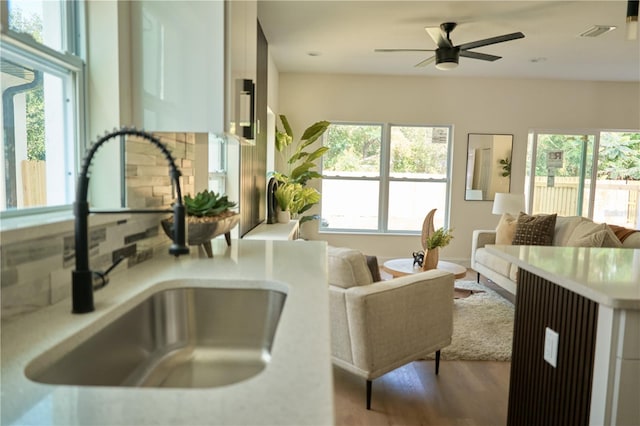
[300, 165]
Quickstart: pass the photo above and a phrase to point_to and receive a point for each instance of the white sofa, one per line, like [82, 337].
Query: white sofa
[504, 274]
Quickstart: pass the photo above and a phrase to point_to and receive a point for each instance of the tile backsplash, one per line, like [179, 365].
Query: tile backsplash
[36, 272]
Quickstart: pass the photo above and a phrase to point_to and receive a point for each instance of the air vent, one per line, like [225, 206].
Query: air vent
[597, 30]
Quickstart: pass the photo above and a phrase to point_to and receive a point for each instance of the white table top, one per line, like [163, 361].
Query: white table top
[605, 275]
[405, 266]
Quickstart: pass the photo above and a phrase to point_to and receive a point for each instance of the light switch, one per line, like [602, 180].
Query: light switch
[551, 346]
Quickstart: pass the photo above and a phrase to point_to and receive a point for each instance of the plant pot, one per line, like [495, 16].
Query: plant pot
[431, 258]
[200, 231]
[284, 216]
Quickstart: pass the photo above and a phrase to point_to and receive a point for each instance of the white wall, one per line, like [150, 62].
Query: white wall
[471, 105]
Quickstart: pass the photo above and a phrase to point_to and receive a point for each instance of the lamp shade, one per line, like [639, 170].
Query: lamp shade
[508, 203]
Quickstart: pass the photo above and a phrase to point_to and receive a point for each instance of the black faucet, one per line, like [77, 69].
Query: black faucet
[82, 277]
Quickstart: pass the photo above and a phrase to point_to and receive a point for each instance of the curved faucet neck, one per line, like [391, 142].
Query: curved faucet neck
[82, 276]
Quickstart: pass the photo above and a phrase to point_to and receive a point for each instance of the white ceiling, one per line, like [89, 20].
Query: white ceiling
[345, 34]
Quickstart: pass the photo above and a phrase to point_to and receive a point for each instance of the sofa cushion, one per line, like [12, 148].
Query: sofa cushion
[565, 225]
[590, 234]
[493, 262]
[594, 239]
[347, 267]
[537, 230]
[506, 229]
[622, 233]
[632, 241]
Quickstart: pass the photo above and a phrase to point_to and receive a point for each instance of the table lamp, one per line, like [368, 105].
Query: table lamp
[508, 203]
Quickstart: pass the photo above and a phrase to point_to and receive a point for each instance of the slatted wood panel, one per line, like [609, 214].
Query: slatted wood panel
[540, 394]
[34, 183]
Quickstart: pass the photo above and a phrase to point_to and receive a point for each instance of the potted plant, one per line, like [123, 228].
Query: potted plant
[208, 215]
[506, 166]
[439, 238]
[301, 165]
[284, 196]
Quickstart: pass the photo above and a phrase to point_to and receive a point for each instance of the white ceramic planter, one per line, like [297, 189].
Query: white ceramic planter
[284, 216]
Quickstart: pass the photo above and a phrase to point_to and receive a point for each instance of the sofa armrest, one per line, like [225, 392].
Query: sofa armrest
[397, 321]
[481, 238]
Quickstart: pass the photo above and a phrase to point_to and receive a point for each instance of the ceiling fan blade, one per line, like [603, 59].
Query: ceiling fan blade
[425, 62]
[438, 36]
[403, 50]
[476, 55]
[492, 40]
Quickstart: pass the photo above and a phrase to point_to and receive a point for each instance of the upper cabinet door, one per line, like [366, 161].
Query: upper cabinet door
[178, 56]
[241, 42]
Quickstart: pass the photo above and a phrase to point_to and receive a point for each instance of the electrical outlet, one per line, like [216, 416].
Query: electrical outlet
[551, 346]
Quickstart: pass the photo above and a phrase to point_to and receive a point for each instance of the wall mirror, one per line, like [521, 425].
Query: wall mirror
[488, 165]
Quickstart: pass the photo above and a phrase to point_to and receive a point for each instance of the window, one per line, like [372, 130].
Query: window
[41, 97]
[592, 174]
[384, 177]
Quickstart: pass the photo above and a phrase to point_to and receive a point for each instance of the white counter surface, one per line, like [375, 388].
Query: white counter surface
[295, 388]
[608, 276]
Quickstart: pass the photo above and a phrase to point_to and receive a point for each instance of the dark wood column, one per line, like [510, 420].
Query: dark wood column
[540, 394]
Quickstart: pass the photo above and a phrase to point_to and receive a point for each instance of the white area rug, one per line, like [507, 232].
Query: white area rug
[482, 326]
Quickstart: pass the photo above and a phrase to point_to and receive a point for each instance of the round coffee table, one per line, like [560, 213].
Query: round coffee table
[401, 267]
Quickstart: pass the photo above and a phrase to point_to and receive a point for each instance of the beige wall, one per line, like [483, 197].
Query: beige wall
[471, 106]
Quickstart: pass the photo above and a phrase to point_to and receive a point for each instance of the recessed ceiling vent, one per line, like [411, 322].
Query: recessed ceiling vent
[597, 30]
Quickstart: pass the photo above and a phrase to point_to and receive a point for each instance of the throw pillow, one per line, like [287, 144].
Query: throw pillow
[587, 228]
[372, 263]
[535, 230]
[595, 239]
[506, 229]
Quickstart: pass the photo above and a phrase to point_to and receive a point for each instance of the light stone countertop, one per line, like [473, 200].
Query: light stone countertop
[296, 387]
[609, 276]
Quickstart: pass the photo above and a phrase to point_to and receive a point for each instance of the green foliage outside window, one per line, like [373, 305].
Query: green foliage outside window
[413, 150]
[618, 157]
[352, 148]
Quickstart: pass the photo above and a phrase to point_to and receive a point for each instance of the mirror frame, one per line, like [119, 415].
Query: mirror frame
[482, 184]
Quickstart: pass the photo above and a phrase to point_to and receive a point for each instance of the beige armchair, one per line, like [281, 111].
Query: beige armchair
[378, 327]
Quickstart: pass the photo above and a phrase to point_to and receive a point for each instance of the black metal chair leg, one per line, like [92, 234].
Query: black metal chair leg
[368, 394]
[437, 362]
[478, 279]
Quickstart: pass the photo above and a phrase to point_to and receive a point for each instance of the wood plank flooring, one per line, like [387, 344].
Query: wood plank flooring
[463, 393]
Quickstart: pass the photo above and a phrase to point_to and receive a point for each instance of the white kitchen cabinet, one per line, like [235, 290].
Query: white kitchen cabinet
[241, 46]
[178, 65]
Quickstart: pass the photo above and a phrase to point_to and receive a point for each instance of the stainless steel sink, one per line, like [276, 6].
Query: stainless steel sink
[177, 338]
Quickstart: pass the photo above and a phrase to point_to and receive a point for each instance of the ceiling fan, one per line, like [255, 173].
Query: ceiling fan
[447, 55]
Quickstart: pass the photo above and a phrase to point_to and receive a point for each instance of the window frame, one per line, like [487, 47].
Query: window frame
[384, 178]
[71, 61]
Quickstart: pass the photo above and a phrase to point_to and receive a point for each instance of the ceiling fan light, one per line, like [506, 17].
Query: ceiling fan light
[445, 66]
[447, 59]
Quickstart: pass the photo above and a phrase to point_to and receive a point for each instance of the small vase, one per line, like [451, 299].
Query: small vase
[284, 216]
[431, 258]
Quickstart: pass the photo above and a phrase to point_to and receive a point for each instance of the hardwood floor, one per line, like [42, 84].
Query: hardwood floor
[463, 393]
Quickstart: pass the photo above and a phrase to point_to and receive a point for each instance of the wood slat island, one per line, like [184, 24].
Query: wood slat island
[590, 297]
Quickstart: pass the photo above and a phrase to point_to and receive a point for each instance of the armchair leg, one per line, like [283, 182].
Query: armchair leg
[437, 362]
[368, 394]
[478, 278]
